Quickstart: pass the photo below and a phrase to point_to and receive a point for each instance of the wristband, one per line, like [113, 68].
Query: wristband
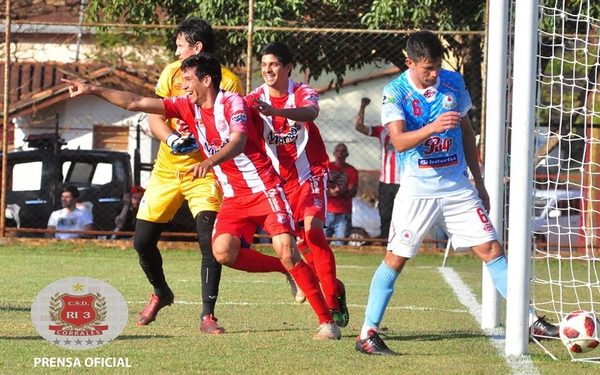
[171, 138]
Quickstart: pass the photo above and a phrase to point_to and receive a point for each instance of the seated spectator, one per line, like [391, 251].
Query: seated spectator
[70, 217]
[125, 222]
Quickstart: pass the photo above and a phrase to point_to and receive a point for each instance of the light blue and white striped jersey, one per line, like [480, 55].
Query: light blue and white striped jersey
[436, 167]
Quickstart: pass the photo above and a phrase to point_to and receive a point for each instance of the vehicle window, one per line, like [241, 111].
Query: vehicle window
[82, 173]
[102, 174]
[27, 176]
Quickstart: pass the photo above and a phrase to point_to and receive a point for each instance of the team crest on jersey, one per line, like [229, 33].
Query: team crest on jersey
[406, 237]
[221, 125]
[429, 94]
[318, 203]
[449, 101]
[388, 100]
[282, 218]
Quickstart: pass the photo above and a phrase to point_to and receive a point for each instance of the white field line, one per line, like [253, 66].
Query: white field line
[282, 303]
[519, 365]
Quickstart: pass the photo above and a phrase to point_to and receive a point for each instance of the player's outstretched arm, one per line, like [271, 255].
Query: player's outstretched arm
[124, 99]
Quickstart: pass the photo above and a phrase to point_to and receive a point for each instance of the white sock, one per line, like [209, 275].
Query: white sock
[364, 332]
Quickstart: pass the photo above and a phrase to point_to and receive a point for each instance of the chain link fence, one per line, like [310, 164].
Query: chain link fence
[340, 57]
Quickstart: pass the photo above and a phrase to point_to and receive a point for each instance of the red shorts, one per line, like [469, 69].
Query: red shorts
[309, 199]
[239, 216]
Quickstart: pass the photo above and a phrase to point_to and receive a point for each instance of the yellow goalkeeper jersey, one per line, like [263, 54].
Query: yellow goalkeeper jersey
[170, 84]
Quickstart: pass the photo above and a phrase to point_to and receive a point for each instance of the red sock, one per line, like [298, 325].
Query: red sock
[307, 255]
[308, 283]
[253, 261]
[324, 264]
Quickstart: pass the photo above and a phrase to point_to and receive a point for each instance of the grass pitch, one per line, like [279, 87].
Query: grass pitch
[267, 333]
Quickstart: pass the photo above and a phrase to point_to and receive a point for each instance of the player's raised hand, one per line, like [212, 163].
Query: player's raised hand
[263, 107]
[365, 102]
[445, 121]
[77, 87]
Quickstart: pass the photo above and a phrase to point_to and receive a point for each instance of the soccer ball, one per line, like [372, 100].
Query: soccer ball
[579, 331]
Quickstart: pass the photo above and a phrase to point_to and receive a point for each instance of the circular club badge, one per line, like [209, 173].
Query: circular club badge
[79, 313]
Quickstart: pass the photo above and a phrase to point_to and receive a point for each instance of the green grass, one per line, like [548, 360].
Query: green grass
[267, 333]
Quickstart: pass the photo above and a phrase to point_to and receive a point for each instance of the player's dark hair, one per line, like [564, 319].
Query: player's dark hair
[71, 189]
[206, 65]
[197, 30]
[279, 50]
[424, 45]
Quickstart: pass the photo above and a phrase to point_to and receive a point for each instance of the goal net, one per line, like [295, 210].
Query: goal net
[565, 271]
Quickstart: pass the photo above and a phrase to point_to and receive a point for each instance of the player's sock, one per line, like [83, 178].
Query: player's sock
[307, 254]
[145, 238]
[324, 265]
[253, 261]
[497, 268]
[210, 269]
[308, 283]
[382, 288]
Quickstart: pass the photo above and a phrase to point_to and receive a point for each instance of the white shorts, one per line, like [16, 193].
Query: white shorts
[462, 217]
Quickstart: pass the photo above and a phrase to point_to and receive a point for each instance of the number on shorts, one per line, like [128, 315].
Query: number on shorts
[482, 216]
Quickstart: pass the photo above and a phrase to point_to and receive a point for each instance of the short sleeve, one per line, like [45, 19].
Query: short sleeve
[390, 106]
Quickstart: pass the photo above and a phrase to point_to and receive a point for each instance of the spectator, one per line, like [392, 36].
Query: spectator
[389, 179]
[70, 217]
[342, 187]
[125, 222]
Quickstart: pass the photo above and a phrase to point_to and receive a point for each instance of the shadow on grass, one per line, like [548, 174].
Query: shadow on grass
[432, 336]
[23, 338]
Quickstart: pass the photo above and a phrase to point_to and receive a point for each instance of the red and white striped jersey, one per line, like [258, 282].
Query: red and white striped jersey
[249, 172]
[389, 173]
[296, 149]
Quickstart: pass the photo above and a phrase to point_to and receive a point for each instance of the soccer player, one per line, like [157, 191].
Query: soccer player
[169, 185]
[426, 112]
[284, 112]
[389, 178]
[251, 187]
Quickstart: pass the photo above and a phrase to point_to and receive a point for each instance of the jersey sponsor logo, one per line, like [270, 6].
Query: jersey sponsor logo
[449, 101]
[279, 137]
[239, 117]
[437, 144]
[214, 146]
[446, 161]
[312, 98]
[388, 100]
[212, 200]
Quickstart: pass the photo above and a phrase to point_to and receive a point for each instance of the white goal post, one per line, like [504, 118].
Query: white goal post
[553, 155]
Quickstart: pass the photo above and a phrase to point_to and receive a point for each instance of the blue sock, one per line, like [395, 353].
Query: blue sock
[382, 288]
[497, 268]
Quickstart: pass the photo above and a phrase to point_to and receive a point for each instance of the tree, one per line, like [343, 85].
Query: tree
[331, 51]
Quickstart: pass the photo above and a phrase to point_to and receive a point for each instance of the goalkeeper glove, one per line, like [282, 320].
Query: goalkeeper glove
[181, 145]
